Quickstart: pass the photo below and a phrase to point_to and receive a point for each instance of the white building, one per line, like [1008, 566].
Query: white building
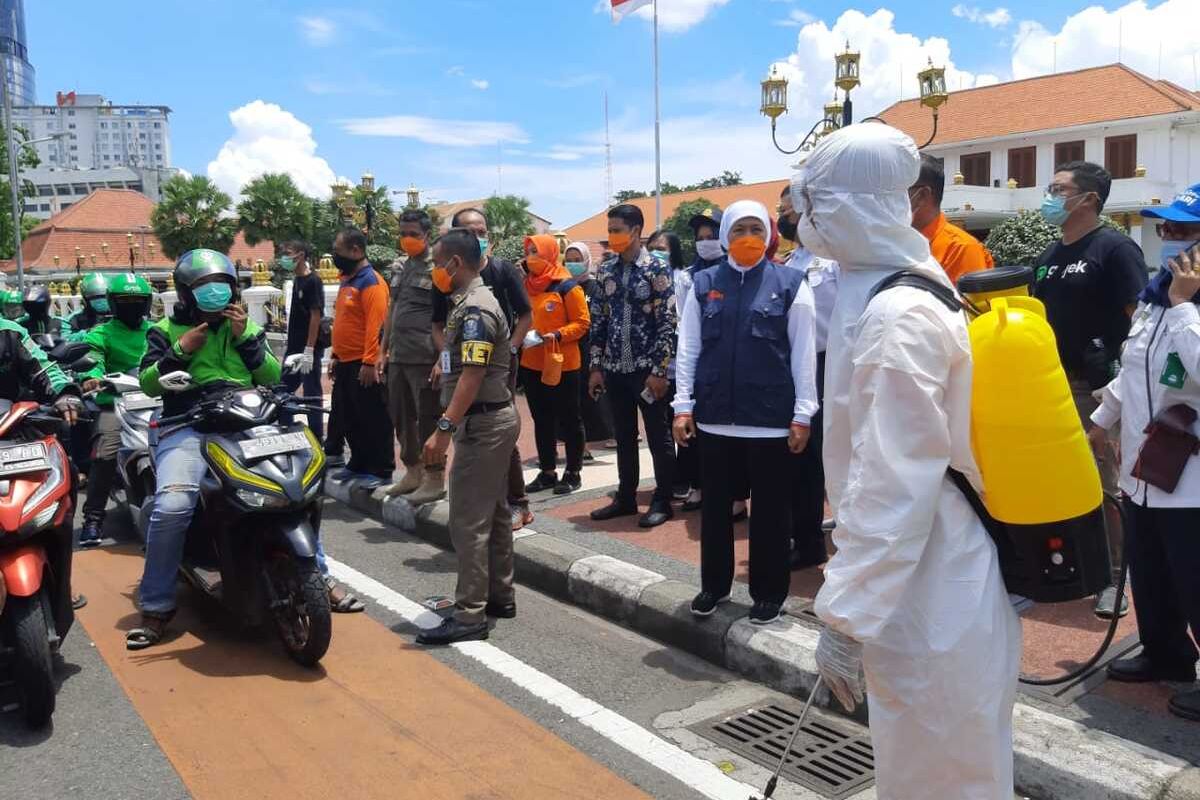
[97, 134]
[59, 189]
[1001, 143]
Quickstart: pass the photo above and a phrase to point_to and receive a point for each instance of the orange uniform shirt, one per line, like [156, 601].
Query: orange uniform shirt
[956, 250]
[359, 315]
[567, 315]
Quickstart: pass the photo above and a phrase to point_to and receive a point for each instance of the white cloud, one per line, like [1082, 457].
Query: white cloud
[445, 132]
[456, 72]
[996, 18]
[673, 15]
[266, 138]
[319, 31]
[796, 18]
[481, 85]
[1095, 36]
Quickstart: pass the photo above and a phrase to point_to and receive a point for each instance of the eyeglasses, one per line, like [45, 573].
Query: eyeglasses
[1061, 190]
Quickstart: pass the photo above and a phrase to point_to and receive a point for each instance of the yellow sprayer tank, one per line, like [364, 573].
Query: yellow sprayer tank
[1040, 477]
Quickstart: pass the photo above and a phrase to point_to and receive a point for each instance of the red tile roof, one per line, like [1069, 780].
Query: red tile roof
[105, 217]
[595, 228]
[1083, 97]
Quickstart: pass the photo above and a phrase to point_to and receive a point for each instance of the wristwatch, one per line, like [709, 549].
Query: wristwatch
[446, 426]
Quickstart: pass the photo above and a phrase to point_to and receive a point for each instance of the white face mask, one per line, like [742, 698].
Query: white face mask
[710, 250]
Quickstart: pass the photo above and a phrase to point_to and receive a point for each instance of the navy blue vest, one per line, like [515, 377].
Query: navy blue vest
[744, 374]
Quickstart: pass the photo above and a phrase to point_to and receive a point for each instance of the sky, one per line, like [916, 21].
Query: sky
[467, 98]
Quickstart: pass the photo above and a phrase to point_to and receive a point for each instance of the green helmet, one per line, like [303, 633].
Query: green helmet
[93, 286]
[129, 298]
[128, 285]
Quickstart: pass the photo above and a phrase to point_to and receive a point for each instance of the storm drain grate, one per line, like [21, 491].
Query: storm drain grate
[829, 757]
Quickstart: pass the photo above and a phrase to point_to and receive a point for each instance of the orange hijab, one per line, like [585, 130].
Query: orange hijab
[541, 258]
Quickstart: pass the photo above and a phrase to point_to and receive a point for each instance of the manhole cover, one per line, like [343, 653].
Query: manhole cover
[829, 756]
[1064, 694]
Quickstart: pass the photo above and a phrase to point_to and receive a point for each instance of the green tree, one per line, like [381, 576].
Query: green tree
[381, 256]
[625, 195]
[27, 158]
[677, 223]
[274, 210]
[510, 249]
[1019, 240]
[193, 213]
[508, 216]
[726, 178]
[324, 226]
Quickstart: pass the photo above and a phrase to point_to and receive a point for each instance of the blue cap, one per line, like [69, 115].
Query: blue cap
[1184, 208]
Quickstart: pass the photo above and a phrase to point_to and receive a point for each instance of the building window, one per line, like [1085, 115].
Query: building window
[1066, 152]
[1120, 155]
[45, 191]
[1022, 165]
[158, 125]
[103, 124]
[71, 125]
[79, 189]
[62, 191]
[44, 207]
[976, 169]
[31, 207]
[70, 112]
[66, 205]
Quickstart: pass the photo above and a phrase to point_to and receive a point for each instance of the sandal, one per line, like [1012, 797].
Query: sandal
[341, 601]
[149, 634]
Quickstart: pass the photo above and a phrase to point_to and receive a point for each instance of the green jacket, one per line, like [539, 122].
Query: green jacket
[115, 348]
[244, 361]
[24, 367]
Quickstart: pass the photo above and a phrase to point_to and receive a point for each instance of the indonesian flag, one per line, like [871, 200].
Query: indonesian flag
[623, 8]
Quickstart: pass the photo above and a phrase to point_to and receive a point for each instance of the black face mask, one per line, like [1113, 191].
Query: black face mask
[345, 264]
[37, 310]
[787, 228]
[130, 316]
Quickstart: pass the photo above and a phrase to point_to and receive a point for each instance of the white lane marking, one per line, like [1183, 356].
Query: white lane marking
[696, 773]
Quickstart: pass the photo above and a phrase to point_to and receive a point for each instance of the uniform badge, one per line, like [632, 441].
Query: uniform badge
[472, 328]
[714, 294]
[550, 306]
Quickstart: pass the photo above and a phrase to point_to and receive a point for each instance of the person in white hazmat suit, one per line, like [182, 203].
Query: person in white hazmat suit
[914, 595]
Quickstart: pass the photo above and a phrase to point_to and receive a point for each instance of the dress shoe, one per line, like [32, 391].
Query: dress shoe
[569, 483]
[694, 501]
[1140, 669]
[656, 516]
[501, 610]
[1186, 705]
[617, 508]
[451, 631]
[543, 482]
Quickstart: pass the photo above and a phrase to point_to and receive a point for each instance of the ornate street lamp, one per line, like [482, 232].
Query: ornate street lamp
[932, 81]
[367, 184]
[129, 244]
[414, 196]
[836, 115]
[847, 77]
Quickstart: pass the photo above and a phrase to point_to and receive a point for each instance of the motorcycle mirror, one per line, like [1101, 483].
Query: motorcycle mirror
[178, 381]
[68, 352]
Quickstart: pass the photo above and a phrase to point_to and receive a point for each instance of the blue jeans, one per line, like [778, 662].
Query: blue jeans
[180, 468]
[312, 388]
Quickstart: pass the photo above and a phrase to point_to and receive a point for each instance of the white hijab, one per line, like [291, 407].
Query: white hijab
[739, 211]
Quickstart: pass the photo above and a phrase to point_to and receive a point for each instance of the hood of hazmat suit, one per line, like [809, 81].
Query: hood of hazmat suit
[915, 578]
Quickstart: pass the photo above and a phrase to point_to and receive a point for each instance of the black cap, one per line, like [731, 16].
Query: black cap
[995, 280]
[709, 216]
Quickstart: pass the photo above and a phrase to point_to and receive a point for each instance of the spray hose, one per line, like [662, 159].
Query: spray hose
[1087, 667]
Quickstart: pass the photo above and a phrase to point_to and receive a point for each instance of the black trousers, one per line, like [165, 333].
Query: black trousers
[1163, 547]
[312, 388]
[766, 462]
[555, 409]
[363, 412]
[687, 461]
[808, 475]
[624, 399]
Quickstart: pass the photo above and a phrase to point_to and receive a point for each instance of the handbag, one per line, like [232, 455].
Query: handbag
[552, 367]
[1168, 446]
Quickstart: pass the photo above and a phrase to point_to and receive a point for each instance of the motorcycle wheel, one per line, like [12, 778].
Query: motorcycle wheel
[304, 622]
[33, 670]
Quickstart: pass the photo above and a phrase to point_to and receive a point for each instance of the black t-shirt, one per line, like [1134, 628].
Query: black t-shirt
[1087, 287]
[506, 282]
[308, 293]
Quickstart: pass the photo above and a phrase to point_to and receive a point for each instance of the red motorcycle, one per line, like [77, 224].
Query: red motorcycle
[37, 510]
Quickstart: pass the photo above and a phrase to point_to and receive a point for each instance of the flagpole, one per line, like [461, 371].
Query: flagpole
[657, 132]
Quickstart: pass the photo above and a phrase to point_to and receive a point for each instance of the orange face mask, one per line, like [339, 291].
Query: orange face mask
[412, 245]
[442, 280]
[537, 264]
[747, 251]
[619, 242]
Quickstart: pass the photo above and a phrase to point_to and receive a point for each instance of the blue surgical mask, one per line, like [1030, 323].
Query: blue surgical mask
[661, 255]
[213, 296]
[99, 305]
[286, 263]
[483, 244]
[576, 268]
[1172, 250]
[1054, 209]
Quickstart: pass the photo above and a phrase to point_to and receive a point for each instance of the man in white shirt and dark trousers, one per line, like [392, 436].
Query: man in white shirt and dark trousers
[745, 374]
[808, 473]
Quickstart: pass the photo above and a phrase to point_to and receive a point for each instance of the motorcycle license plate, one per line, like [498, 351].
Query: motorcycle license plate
[136, 401]
[274, 445]
[21, 458]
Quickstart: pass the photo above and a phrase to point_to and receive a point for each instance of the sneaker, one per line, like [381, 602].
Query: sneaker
[1139, 669]
[543, 482]
[569, 483]
[1106, 604]
[521, 516]
[764, 613]
[705, 603]
[694, 501]
[92, 532]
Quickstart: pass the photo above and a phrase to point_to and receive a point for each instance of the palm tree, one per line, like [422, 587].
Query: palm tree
[274, 210]
[507, 217]
[193, 213]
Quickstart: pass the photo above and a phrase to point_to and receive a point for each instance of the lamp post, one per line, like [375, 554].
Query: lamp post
[367, 184]
[129, 243]
[414, 196]
[932, 81]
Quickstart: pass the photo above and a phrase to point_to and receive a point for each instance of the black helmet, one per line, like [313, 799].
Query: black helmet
[37, 302]
[193, 267]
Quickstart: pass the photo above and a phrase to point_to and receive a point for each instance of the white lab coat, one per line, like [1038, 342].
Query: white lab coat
[915, 578]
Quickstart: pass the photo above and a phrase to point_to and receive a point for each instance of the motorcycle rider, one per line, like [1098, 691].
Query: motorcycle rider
[11, 302]
[37, 317]
[95, 310]
[116, 346]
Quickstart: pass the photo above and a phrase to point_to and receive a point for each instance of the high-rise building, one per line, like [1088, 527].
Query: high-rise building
[20, 72]
[92, 133]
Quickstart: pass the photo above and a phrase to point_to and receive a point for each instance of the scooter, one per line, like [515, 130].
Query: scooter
[72, 358]
[252, 543]
[37, 509]
[135, 411]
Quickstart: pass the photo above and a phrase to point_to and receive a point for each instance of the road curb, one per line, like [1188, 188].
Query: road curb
[1054, 757]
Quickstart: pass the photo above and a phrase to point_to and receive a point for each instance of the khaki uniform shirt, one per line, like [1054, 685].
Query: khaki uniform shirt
[408, 336]
[476, 335]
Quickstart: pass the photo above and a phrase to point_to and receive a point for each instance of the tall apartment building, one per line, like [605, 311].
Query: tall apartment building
[97, 134]
[16, 57]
